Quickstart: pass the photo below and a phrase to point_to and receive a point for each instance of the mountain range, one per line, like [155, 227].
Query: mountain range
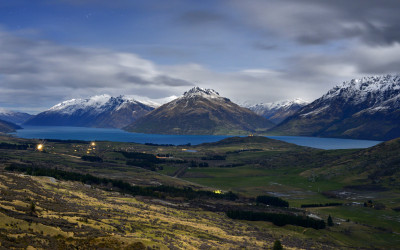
[101, 111]
[276, 112]
[366, 108]
[200, 111]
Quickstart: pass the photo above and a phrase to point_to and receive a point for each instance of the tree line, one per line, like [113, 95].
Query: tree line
[277, 219]
[272, 201]
[331, 204]
[5, 145]
[121, 186]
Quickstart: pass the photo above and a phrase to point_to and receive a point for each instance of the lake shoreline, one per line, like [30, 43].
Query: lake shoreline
[118, 135]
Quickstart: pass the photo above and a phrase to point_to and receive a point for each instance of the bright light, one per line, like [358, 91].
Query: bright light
[39, 147]
[93, 144]
[217, 191]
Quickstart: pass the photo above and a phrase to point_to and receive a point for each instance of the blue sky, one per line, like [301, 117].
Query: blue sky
[250, 51]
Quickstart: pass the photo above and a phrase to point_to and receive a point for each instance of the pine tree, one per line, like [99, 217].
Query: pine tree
[277, 245]
[330, 221]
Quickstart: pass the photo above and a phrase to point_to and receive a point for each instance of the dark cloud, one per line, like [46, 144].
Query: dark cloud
[318, 22]
[158, 80]
[353, 62]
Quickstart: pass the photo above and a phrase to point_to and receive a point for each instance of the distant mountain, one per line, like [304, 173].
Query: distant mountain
[14, 117]
[366, 108]
[276, 112]
[101, 111]
[8, 127]
[200, 111]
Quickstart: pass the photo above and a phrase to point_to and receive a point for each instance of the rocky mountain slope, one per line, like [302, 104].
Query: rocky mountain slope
[200, 111]
[366, 108]
[101, 111]
[276, 112]
[14, 117]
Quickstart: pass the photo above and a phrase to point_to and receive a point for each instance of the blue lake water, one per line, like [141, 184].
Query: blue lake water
[105, 134]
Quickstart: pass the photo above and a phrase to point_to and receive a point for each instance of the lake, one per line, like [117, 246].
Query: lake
[106, 134]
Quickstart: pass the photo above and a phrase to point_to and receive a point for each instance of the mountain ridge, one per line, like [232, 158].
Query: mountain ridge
[278, 111]
[97, 111]
[365, 108]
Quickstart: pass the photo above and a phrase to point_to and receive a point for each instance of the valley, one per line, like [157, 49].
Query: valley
[360, 183]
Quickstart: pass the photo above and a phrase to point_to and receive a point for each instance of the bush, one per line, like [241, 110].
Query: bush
[330, 221]
[273, 201]
[277, 245]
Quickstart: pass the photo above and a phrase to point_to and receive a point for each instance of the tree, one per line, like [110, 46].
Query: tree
[277, 245]
[330, 221]
[32, 208]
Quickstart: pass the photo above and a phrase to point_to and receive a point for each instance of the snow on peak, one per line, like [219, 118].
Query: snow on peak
[95, 104]
[361, 89]
[285, 104]
[197, 91]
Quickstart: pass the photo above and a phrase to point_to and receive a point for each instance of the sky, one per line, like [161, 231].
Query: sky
[250, 51]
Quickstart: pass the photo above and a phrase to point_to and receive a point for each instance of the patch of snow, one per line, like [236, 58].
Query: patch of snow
[314, 112]
[197, 91]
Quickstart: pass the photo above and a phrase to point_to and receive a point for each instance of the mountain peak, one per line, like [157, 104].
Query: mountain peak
[197, 91]
[278, 111]
[200, 112]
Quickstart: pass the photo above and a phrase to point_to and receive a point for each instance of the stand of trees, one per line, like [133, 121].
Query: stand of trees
[272, 201]
[142, 160]
[214, 158]
[5, 145]
[277, 219]
[92, 158]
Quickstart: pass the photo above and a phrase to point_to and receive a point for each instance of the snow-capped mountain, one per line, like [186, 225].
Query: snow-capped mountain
[14, 117]
[102, 111]
[200, 111]
[276, 112]
[366, 108]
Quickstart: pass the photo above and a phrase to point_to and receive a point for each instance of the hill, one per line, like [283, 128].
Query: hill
[7, 127]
